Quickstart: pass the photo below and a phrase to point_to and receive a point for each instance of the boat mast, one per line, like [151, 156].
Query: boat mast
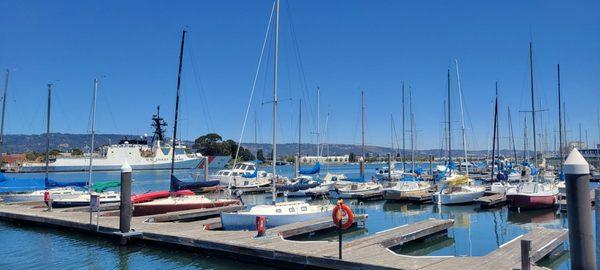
[560, 124]
[3, 112]
[275, 102]
[449, 124]
[403, 133]
[462, 117]
[177, 109]
[318, 122]
[299, 127]
[494, 138]
[93, 133]
[48, 134]
[412, 131]
[362, 163]
[532, 105]
[512, 135]
[525, 139]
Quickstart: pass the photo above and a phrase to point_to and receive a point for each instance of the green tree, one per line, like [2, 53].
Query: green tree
[55, 152]
[352, 157]
[76, 152]
[209, 144]
[260, 155]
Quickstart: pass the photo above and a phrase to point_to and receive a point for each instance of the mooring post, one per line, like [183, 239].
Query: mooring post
[525, 257]
[340, 236]
[125, 204]
[597, 209]
[389, 161]
[206, 168]
[581, 236]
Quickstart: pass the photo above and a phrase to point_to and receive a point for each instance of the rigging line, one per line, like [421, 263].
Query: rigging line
[201, 90]
[299, 64]
[237, 151]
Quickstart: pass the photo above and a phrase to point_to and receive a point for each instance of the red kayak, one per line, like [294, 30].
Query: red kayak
[150, 196]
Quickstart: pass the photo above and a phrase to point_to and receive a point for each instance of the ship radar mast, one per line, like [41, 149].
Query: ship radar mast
[158, 123]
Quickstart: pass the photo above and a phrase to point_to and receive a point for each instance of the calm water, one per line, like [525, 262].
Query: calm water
[476, 232]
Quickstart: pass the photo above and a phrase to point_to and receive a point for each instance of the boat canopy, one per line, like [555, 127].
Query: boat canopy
[103, 186]
[315, 169]
[177, 185]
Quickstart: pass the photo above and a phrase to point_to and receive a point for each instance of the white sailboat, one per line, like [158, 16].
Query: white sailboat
[456, 188]
[277, 213]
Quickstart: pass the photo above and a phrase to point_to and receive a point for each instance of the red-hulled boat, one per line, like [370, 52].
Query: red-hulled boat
[181, 203]
[150, 196]
[533, 195]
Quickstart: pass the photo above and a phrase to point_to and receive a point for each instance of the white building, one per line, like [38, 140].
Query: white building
[328, 159]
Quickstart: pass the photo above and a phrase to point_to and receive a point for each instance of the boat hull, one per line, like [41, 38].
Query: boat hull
[247, 221]
[523, 201]
[457, 198]
[192, 163]
[391, 194]
[154, 209]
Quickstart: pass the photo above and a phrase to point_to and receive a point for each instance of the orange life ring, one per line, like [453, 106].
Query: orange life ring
[337, 215]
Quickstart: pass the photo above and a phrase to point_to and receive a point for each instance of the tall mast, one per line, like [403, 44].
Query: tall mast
[512, 135]
[299, 127]
[392, 131]
[93, 133]
[362, 164]
[318, 122]
[3, 112]
[560, 123]
[532, 105]
[275, 101]
[177, 109]
[525, 139]
[403, 133]
[494, 138]
[412, 130]
[462, 117]
[449, 124]
[48, 133]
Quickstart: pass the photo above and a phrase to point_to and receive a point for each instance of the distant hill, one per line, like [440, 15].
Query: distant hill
[20, 143]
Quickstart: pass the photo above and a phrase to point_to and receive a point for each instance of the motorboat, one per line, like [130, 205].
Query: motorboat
[297, 187]
[533, 195]
[354, 190]
[402, 189]
[244, 175]
[276, 215]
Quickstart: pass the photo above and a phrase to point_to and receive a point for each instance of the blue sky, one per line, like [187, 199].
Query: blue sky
[344, 47]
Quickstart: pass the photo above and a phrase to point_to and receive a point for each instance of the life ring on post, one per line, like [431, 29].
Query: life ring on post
[341, 210]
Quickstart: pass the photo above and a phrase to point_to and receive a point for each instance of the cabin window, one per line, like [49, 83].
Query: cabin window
[278, 211]
[234, 174]
[226, 173]
[251, 168]
[304, 209]
[292, 210]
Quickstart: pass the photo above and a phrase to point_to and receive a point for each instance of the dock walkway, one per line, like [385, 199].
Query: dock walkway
[369, 252]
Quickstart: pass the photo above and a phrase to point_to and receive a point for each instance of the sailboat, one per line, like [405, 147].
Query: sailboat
[177, 199]
[84, 199]
[56, 190]
[409, 185]
[348, 190]
[456, 188]
[541, 192]
[276, 213]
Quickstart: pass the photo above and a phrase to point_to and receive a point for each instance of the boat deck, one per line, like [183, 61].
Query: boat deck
[370, 252]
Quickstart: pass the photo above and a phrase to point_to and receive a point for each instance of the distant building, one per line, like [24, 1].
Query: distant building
[328, 159]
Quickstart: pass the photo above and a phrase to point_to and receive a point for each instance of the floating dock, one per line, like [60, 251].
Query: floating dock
[491, 201]
[369, 252]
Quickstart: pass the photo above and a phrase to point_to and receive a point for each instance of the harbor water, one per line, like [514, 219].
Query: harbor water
[476, 232]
